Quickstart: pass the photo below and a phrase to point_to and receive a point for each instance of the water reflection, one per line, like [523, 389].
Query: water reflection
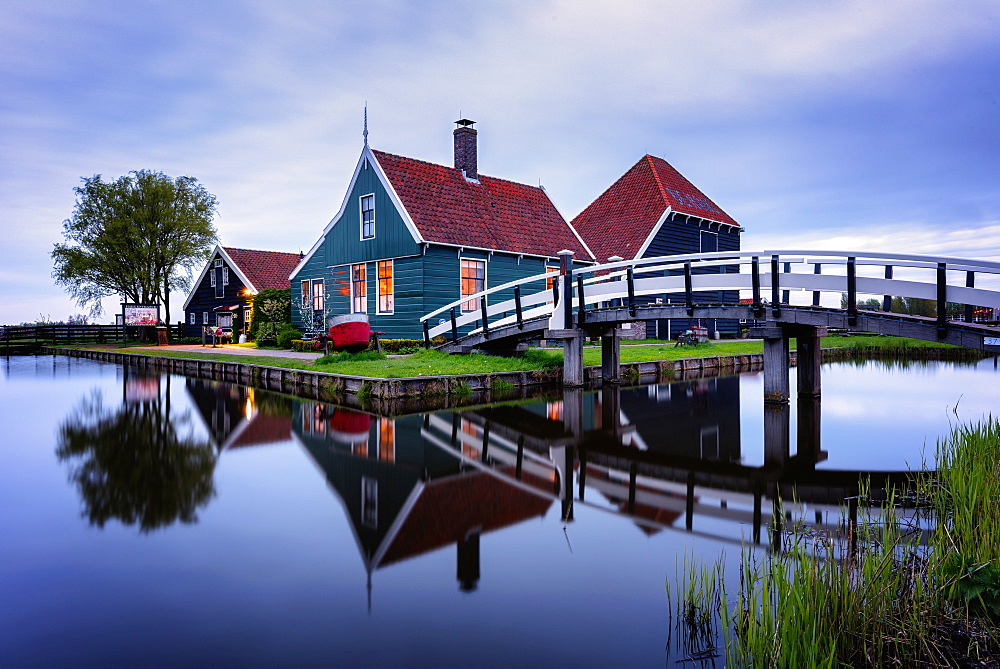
[405, 496]
[664, 457]
[136, 462]
[237, 416]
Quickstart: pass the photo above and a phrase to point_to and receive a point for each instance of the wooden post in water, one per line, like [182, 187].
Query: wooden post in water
[611, 356]
[809, 356]
[776, 362]
[572, 337]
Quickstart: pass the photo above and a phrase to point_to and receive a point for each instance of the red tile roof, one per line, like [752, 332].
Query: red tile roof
[620, 220]
[492, 214]
[264, 269]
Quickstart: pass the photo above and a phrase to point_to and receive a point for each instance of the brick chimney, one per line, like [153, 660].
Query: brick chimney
[465, 148]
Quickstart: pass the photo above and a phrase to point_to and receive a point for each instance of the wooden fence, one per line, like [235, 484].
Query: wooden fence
[21, 337]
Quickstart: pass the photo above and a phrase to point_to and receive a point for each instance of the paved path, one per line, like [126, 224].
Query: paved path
[230, 349]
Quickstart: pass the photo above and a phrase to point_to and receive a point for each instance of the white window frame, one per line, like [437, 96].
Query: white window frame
[225, 276]
[211, 274]
[473, 305]
[318, 295]
[392, 283]
[361, 215]
[193, 318]
[204, 318]
[364, 284]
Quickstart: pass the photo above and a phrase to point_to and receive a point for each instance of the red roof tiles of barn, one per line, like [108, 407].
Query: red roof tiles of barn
[264, 269]
[620, 220]
[492, 214]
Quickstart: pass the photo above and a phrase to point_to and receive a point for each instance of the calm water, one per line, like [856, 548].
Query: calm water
[159, 520]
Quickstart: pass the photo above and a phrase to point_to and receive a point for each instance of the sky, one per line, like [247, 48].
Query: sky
[816, 125]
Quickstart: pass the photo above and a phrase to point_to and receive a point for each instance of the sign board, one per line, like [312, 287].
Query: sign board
[140, 314]
[991, 341]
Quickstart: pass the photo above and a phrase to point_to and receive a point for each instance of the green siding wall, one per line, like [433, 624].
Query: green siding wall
[392, 238]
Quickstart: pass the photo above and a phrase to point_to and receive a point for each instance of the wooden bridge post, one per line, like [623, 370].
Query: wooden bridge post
[611, 356]
[776, 363]
[809, 359]
[573, 360]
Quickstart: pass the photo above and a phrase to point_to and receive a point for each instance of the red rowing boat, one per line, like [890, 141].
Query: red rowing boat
[350, 332]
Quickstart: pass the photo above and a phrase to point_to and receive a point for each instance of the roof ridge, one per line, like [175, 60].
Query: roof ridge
[656, 177]
[240, 248]
[480, 177]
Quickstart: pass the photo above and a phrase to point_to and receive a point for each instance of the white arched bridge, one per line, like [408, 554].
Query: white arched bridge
[594, 301]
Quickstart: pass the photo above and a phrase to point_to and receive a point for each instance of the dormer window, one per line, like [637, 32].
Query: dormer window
[368, 217]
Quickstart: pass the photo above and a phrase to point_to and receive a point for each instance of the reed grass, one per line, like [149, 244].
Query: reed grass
[872, 595]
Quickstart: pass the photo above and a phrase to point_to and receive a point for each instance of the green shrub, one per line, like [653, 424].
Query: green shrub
[306, 345]
[394, 346]
[287, 334]
[272, 311]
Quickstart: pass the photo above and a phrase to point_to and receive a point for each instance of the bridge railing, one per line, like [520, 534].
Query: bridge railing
[768, 277]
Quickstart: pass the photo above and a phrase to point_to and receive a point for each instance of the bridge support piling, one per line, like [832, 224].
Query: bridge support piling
[611, 357]
[809, 358]
[572, 355]
[776, 363]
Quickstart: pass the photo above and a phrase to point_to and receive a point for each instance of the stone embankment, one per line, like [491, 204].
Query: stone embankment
[440, 391]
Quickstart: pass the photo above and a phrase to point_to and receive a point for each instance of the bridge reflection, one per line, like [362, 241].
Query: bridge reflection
[665, 457]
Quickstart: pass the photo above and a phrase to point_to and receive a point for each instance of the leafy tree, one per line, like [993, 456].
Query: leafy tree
[272, 310]
[138, 237]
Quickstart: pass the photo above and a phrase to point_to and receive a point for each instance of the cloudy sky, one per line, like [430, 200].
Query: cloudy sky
[834, 125]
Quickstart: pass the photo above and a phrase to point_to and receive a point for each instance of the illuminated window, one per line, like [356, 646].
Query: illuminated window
[385, 292]
[305, 294]
[317, 294]
[473, 281]
[368, 217]
[359, 289]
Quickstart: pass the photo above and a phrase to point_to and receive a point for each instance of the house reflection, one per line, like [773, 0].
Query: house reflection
[404, 496]
[236, 416]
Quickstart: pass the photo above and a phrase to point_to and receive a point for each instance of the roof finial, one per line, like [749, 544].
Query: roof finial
[366, 123]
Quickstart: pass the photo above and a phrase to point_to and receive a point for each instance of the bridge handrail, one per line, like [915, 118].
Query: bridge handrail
[482, 293]
[662, 274]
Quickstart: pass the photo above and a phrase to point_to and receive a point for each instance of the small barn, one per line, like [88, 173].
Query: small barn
[413, 236]
[222, 295]
[653, 210]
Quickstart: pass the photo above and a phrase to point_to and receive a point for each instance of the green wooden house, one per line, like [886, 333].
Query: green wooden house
[413, 236]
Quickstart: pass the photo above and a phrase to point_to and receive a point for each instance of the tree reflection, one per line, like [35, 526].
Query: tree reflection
[132, 463]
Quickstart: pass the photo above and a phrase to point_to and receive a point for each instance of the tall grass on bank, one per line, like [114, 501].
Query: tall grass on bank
[859, 600]
[966, 496]
[872, 595]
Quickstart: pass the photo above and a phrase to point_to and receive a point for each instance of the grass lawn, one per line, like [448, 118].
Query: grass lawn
[432, 363]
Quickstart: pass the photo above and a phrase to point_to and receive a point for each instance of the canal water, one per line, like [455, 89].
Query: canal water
[158, 520]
